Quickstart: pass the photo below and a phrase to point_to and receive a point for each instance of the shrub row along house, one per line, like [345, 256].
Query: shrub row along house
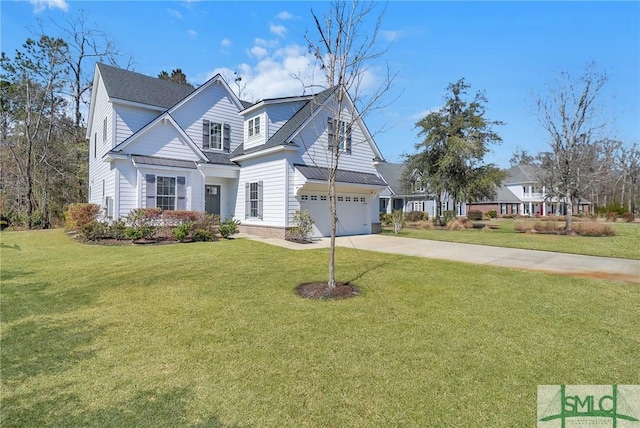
[156, 143]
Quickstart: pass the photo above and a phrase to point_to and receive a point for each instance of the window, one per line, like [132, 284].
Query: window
[417, 185]
[314, 198]
[323, 198]
[166, 193]
[253, 200]
[514, 208]
[503, 208]
[215, 135]
[347, 199]
[339, 134]
[363, 199]
[304, 197]
[104, 131]
[340, 199]
[95, 144]
[418, 205]
[254, 126]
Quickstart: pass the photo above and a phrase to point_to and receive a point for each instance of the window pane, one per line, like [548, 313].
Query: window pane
[215, 137]
[166, 193]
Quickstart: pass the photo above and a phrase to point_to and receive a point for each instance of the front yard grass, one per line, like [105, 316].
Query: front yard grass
[212, 334]
[625, 244]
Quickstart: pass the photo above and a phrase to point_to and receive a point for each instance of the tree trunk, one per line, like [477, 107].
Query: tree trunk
[569, 215]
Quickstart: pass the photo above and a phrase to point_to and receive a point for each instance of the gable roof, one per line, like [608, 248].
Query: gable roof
[135, 87]
[521, 174]
[283, 135]
[392, 174]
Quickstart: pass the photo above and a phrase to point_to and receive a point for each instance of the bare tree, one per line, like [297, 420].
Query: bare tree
[571, 115]
[344, 49]
[629, 161]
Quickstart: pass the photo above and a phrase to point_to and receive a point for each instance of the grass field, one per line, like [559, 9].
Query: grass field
[212, 334]
[625, 244]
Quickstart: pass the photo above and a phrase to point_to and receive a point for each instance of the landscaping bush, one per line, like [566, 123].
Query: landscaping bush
[492, 214]
[447, 216]
[460, 223]
[593, 229]
[629, 217]
[93, 231]
[612, 216]
[4, 222]
[385, 219]
[586, 228]
[80, 215]
[397, 219]
[474, 215]
[179, 216]
[415, 215]
[303, 226]
[203, 235]
[607, 210]
[182, 231]
[229, 227]
[142, 223]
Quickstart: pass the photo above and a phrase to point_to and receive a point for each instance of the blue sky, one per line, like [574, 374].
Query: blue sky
[510, 50]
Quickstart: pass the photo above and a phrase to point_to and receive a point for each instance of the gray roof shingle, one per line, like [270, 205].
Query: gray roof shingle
[392, 174]
[156, 161]
[135, 87]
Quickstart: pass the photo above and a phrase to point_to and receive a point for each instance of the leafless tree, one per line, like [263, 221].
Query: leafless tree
[572, 116]
[345, 48]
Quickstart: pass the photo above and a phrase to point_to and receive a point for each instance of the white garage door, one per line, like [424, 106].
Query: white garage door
[353, 214]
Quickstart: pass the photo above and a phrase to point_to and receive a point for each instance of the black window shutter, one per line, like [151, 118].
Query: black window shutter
[330, 131]
[348, 142]
[247, 203]
[182, 193]
[151, 190]
[226, 137]
[260, 199]
[205, 134]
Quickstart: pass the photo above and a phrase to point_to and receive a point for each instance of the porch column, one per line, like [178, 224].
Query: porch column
[530, 208]
[544, 208]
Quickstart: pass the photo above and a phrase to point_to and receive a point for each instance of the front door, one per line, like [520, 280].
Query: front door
[212, 199]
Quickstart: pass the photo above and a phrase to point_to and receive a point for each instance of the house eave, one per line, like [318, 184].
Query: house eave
[264, 152]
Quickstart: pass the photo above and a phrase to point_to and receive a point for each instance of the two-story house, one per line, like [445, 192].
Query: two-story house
[156, 143]
[522, 194]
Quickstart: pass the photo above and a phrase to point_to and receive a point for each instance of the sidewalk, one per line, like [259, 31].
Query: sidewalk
[544, 261]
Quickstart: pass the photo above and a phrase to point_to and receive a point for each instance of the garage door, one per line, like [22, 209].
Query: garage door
[353, 214]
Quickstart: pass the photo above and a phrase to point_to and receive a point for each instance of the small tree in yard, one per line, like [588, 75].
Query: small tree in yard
[571, 116]
[344, 49]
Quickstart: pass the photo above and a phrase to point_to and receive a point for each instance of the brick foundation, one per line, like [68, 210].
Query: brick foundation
[264, 231]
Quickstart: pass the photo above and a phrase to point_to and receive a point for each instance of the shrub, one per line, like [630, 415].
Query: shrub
[80, 215]
[612, 216]
[141, 222]
[385, 219]
[447, 216]
[179, 216]
[303, 226]
[591, 228]
[459, 224]
[117, 230]
[414, 215]
[208, 223]
[605, 210]
[229, 227]
[474, 215]
[203, 235]
[397, 219]
[182, 231]
[629, 217]
[4, 222]
[93, 231]
[492, 214]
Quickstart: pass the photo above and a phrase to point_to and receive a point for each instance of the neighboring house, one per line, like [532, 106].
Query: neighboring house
[521, 194]
[156, 143]
[395, 197]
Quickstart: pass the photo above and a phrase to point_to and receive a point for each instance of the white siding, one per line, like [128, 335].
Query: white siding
[131, 119]
[278, 114]
[271, 171]
[128, 188]
[314, 139]
[162, 140]
[99, 171]
[255, 140]
[228, 192]
[213, 104]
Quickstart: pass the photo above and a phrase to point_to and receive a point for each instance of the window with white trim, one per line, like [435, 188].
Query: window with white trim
[166, 193]
[339, 134]
[216, 135]
[253, 200]
[254, 126]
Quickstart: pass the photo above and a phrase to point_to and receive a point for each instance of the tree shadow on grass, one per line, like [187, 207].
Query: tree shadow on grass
[146, 408]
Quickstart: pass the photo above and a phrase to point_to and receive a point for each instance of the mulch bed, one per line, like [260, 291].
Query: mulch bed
[321, 290]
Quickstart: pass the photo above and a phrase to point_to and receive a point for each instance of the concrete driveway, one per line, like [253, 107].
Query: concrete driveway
[545, 261]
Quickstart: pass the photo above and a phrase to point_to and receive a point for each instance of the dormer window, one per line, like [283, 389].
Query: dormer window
[254, 126]
[343, 137]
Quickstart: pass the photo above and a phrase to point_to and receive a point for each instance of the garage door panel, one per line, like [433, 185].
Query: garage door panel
[353, 214]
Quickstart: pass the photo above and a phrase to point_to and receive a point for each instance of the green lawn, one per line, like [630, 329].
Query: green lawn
[625, 244]
[211, 334]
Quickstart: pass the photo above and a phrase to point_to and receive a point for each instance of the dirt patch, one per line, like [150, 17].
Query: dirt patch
[321, 290]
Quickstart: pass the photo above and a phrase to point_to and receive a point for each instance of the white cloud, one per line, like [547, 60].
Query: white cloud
[390, 36]
[225, 43]
[279, 30]
[174, 13]
[258, 52]
[40, 5]
[192, 33]
[284, 15]
[266, 43]
[422, 114]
